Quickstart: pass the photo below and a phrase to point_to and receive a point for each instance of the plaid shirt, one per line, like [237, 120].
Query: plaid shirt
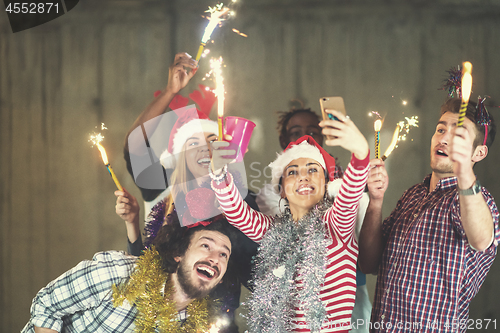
[81, 299]
[429, 273]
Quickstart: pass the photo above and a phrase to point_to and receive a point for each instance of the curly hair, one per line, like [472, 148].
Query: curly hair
[285, 116]
[173, 240]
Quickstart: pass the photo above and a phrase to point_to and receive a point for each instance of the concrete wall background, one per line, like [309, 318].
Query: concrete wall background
[102, 62]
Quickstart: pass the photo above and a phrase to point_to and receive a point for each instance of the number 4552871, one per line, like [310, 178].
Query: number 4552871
[32, 8]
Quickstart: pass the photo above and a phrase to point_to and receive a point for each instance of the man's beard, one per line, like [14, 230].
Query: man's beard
[188, 286]
[442, 167]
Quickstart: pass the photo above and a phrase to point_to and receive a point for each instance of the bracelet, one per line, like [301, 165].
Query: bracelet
[219, 178]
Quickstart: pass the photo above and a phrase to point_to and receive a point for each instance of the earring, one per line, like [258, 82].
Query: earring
[279, 205]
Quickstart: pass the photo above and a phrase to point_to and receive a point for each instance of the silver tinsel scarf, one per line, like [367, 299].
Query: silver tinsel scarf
[290, 252]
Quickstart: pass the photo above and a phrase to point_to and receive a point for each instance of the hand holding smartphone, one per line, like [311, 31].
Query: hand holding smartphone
[331, 103]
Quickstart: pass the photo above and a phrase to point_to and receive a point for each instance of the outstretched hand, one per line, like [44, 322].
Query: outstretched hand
[221, 156]
[178, 76]
[345, 134]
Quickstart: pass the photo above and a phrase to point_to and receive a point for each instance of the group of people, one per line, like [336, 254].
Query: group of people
[207, 234]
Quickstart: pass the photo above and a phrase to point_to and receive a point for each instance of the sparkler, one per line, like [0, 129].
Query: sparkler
[216, 65]
[216, 14]
[466, 90]
[96, 139]
[377, 126]
[402, 129]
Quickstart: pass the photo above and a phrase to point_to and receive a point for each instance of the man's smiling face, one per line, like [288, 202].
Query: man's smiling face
[441, 163]
[204, 264]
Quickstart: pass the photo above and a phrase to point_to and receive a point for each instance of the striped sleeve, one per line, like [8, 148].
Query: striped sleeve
[237, 212]
[341, 217]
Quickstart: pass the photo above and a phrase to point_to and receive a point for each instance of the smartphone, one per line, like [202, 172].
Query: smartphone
[334, 103]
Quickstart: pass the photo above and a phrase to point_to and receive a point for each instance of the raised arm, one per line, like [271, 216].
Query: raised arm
[371, 242]
[237, 212]
[476, 215]
[178, 78]
[342, 216]
[252, 223]
[344, 133]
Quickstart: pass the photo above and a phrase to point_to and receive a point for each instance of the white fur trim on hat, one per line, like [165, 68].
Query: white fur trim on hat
[183, 134]
[302, 150]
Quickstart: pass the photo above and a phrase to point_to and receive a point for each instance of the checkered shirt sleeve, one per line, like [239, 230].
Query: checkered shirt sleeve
[80, 300]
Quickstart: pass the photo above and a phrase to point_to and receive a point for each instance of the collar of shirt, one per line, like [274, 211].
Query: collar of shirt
[443, 183]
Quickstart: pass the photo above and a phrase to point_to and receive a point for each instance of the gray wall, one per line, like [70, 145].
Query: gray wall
[103, 60]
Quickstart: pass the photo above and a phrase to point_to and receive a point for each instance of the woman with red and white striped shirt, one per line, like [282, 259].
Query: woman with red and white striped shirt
[305, 271]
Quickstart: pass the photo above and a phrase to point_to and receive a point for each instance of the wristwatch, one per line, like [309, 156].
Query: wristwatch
[474, 189]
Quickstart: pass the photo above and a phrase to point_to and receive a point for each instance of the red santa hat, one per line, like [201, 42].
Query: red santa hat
[305, 147]
[189, 121]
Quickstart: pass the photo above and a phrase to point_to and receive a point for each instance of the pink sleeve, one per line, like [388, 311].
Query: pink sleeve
[237, 212]
[341, 217]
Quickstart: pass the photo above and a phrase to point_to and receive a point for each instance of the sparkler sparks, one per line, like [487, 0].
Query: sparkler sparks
[96, 139]
[402, 130]
[240, 33]
[217, 14]
[216, 65]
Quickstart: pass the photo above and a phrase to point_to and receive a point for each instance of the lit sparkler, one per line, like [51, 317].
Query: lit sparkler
[402, 130]
[216, 65]
[377, 126]
[466, 90]
[96, 139]
[216, 14]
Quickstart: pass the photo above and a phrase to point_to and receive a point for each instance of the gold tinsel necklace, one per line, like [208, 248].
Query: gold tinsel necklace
[155, 309]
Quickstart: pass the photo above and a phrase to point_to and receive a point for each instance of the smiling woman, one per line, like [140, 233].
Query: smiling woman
[189, 200]
[197, 154]
[306, 252]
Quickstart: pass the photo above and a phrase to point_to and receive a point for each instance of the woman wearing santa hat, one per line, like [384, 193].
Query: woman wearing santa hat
[305, 274]
[189, 200]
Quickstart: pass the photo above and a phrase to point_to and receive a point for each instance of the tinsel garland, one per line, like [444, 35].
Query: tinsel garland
[454, 82]
[483, 117]
[156, 312]
[290, 252]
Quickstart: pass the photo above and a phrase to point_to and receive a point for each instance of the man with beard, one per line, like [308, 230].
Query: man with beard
[164, 290]
[433, 252]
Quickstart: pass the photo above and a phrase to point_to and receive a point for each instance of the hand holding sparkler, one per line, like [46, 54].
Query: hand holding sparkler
[378, 180]
[178, 76]
[127, 206]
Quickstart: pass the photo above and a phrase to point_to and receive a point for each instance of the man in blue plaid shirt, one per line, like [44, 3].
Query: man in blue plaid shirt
[433, 252]
[81, 300]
